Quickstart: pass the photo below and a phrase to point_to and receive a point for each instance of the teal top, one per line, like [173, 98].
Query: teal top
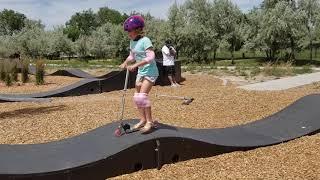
[138, 48]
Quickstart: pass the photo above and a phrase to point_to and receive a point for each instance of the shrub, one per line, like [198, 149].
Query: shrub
[14, 71]
[278, 70]
[25, 70]
[303, 70]
[2, 71]
[40, 65]
[8, 79]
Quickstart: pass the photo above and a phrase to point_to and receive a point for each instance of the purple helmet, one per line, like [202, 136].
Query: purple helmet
[133, 22]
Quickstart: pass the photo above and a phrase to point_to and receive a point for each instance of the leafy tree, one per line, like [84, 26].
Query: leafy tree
[271, 4]
[32, 40]
[11, 21]
[176, 23]
[120, 40]
[7, 46]
[274, 28]
[82, 23]
[99, 41]
[250, 29]
[59, 43]
[227, 19]
[72, 32]
[155, 30]
[82, 47]
[311, 10]
[108, 41]
[107, 15]
[196, 35]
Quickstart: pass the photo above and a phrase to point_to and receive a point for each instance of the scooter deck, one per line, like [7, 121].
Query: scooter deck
[153, 128]
[129, 131]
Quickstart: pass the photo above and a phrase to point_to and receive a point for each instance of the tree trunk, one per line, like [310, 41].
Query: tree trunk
[292, 49]
[272, 54]
[232, 53]
[267, 54]
[311, 50]
[232, 57]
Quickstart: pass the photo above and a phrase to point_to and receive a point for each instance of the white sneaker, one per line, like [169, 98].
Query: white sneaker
[174, 85]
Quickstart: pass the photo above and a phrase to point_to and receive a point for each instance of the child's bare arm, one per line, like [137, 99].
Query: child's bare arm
[150, 55]
[130, 58]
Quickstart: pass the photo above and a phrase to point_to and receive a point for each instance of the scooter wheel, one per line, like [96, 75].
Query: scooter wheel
[117, 132]
[126, 127]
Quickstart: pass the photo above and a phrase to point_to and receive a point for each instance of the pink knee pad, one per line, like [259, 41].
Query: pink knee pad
[141, 100]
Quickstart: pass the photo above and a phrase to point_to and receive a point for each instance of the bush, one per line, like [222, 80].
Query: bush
[278, 70]
[255, 71]
[305, 69]
[2, 71]
[14, 71]
[8, 79]
[40, 65]
[25, 71]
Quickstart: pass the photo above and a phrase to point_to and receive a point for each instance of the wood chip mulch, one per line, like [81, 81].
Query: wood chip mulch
[51, 82]
[215, 106]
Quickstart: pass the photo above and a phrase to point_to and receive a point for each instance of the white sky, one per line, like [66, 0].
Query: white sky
[57, 12]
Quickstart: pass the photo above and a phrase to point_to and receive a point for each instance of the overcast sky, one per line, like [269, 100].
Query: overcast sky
[57, 12]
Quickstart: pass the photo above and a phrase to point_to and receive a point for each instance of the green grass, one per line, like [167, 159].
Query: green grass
[305, 69]
[249, 68]
[238, 54]
[247, 62]
[75, 63]
[305, 55]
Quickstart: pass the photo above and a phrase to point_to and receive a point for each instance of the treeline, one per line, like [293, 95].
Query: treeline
[198, 28]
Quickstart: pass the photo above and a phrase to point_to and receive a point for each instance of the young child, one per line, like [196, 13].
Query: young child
[141, 51]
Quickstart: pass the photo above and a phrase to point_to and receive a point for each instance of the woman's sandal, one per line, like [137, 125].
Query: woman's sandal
[148, 127]
[138, 126]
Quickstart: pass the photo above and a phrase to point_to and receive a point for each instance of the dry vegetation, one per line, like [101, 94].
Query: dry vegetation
[215, 106]
[51, 82]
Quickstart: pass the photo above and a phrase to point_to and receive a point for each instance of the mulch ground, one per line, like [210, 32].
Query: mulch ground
[51, 82]
[215, 106]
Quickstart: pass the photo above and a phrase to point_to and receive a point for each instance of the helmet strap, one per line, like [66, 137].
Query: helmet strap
[137, 38]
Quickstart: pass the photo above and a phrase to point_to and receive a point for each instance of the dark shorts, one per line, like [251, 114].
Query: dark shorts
[170, 70]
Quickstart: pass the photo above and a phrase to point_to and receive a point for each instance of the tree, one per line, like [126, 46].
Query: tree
[227, 19]
[311, 10]
[109, 41]
[81, 24]
[82, 47]
[107, 15]
[250, 29]
[32, 40]
[11, 21]
[120, 40]
[191, 29]
[7, 46]
[176, 23]
[59, 43]
[279, 28]
[156, 30]
[99, 41]
[271, 4]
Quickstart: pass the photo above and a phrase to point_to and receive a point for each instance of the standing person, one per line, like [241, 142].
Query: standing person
[141, 52]
[169, 54]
